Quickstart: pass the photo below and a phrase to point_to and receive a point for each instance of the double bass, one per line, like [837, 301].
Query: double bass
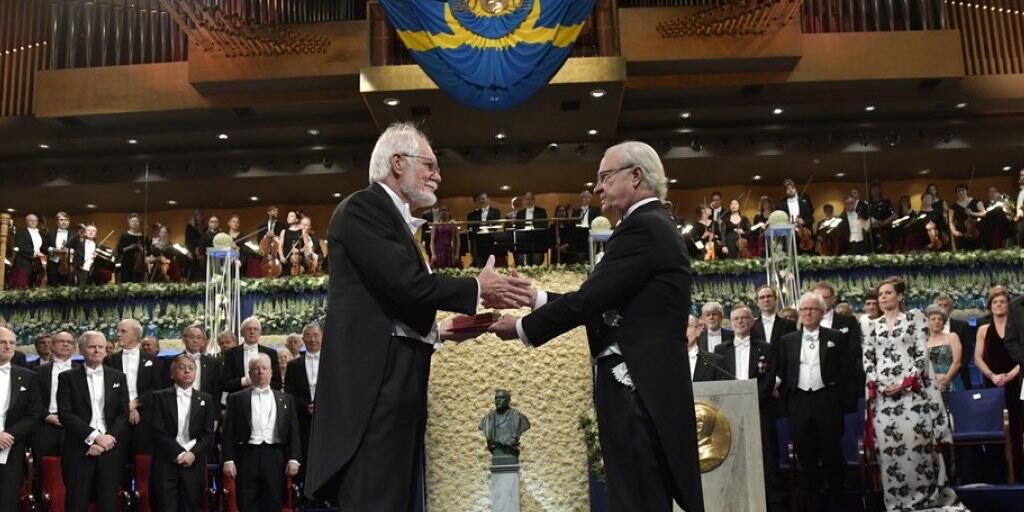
[269, 265]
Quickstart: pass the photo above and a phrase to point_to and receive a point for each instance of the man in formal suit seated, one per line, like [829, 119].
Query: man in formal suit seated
[704, 366]
[236, 361]
[814, 378]
[182, 419]
[303, 373]
[143, 375]
[46, 437]
[20, 411]
[711, 315]
[747, 357]
[92, 403]
[261, 441]
[42, 343]
[208, 368]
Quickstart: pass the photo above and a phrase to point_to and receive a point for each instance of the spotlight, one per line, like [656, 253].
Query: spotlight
[1007, 168]
[840, 174]
[501, 136]
[673, 181]
[313, 131]
[961, 105]
[90, 206]
[172, 202]
[254, 199]
[685, 115]
[133, 141]
[44, 146]
[591, 132]
[337, 195]
[777, 111]
[553, 147]
[391, 102]
[504, 188]
[589, 184]
[223, 136]
[869, 108]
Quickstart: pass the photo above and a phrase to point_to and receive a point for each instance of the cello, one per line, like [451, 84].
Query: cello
[269, 264]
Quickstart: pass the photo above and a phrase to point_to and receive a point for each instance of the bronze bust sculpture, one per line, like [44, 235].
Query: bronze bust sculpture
[503, 426]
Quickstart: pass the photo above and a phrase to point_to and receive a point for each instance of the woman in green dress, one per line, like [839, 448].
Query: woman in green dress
[945, 352]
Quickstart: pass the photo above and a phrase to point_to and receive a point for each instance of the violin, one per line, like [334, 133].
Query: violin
[269, 265]
[64, 256]
[934, 238]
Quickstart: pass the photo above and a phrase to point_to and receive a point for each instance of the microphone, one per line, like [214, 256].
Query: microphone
[702, 356]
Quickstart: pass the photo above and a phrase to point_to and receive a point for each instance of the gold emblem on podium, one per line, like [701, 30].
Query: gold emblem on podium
[714, 435]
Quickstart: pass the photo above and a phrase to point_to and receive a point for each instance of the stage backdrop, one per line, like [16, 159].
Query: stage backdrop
[551, 385]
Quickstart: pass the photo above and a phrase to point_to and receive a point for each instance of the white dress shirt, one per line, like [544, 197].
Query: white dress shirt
[768, 322]
[585, 217]
[130, 362]
[692, 353]
[856, 230]
[826, 321]
[312, 361]
[810, 362]
[248, 353]
[184, 399]
[529, 216]
[742, 346]
[399, 328]
[37, 240]
[714, 339]
[264, 417]
[945, 328]
[59, 367]
[94, 378]
[198, 359]
[483, 212]
[61, 239]
[5, 393]
[793, 206]
[90, 254]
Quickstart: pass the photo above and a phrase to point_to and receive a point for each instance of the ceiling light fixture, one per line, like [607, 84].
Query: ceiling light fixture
[223, 136]
[172, 202]
[777, 111]
[313, 131]
[501, 136]
[90, 206]
[684, 115]
[391, 102]
[673, 180]
[504, 188]
[44, 146]
[598, 93]
[684, 130]
[254, 198]
[11, 210]
[840, 174]
[1007, 168]
[337, 195]
[133, 141]
[757, 177]
[588, 184]
[869, 108]
[961, 105]
[591, 132]
[922, 172]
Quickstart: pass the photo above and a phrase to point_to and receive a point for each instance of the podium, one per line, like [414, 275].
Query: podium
[729, 444]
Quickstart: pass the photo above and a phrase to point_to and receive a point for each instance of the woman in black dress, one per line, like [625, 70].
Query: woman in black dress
[964, 215]
[130, 252]
[291, 239]
[999, 369]
[736, 227]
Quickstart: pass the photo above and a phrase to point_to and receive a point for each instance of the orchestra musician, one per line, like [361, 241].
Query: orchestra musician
[291, 241]
[85, 257]
[194, 230]
[312, 253]
[881, 214]
[58, 246]
[130, 252]
[163, 258]
[29, 244]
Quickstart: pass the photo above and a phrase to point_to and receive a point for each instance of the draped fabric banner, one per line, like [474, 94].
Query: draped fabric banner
[491, 54]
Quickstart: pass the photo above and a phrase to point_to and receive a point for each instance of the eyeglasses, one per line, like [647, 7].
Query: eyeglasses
[430, 162]
[811, 310]
[603, 176]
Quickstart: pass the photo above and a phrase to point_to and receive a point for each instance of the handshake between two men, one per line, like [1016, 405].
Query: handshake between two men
[496, 292]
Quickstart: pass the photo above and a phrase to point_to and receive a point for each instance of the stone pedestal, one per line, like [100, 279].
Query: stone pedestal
[737, 484]
[505, 488]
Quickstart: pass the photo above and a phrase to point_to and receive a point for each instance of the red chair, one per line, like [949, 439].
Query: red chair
[142, 494]
[54, 492]
[231, 495]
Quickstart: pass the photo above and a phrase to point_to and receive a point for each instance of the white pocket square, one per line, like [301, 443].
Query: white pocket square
[831, 345]
[117, 385]
[148, 363]
[22, 388]
[844, 330]
[202, 403]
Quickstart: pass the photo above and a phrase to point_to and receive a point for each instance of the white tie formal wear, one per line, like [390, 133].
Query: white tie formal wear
[94, 378]
[856, 230]
[742, 347]
[184, 402]
[312, 372]
[264, 417]
[130, 362]
[826, 321]
[198, 359]
[37, 241]
[768, 321]
[59, 367]
[714, 340]
[249, 352]
[793, 206]
[90, 254]
[810, 362]
[5, 393]
[692, 353]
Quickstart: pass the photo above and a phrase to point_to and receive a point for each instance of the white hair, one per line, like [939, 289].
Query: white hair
[398, 139]
[134, 326]
[251, 320]
[635, 153]
[712, 306]
[257, 359]
[88, 335]
[816, 297]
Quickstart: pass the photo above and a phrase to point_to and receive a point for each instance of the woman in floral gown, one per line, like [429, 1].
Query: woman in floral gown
[908, 416]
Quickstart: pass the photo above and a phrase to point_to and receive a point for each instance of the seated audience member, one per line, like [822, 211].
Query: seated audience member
[92, 403]
[183, 422]
[261, 442]
[20, 411]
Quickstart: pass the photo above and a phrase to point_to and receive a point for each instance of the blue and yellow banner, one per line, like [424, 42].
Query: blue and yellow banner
[491, 54]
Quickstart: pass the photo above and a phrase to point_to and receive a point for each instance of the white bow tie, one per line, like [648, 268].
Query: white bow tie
[90, 372]
[130, 352]
[811, 336]
[184, 394]
[251, 348]
[264, 391]
[195, 357]
[61, 364]
[744, 343]
[5, 368]
[315, 357]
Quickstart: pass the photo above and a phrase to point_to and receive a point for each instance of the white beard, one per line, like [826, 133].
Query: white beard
[417, 198]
